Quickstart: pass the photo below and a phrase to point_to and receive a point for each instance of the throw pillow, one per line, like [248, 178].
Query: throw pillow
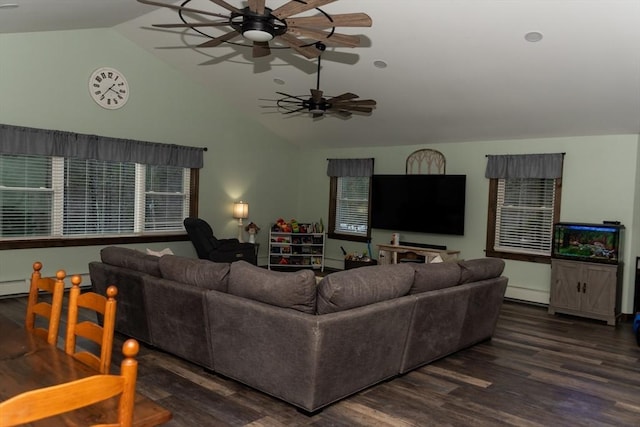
[296, 290]
[131, 259]
[196, 272]
[165, 251]
[362, 286]
[431, 277]
[474, 270]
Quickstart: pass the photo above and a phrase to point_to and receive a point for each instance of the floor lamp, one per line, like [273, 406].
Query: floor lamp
[240, 211]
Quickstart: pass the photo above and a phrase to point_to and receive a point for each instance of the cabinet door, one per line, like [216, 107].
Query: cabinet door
[565, 285]
[598, 293]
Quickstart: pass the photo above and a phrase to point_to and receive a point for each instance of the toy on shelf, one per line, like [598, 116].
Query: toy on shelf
[282, 226]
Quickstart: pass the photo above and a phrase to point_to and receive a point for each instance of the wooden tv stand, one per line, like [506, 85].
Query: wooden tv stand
[391, 254]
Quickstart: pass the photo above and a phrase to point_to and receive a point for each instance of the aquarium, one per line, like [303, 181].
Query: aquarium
[588, 242]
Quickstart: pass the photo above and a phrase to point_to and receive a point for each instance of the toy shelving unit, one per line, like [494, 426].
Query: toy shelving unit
[294, 251]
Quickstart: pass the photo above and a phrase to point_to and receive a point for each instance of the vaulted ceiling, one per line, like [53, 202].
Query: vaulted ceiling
[456, 70]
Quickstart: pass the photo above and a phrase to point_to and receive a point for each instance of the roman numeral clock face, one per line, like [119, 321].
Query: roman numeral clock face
[108, 88]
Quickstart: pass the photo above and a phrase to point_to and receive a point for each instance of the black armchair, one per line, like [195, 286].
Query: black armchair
[218, 250]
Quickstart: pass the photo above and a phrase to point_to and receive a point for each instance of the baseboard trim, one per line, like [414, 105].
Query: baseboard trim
[17, 288]
[527, 294]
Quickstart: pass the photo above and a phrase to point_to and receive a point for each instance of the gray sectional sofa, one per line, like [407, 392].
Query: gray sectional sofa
[307, 343]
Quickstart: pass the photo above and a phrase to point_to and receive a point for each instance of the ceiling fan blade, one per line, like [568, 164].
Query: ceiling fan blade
[323, 21]
[343, 113]
[344, 96]
[195, 24]
[294, 7]
[226, 5]
[257, 6]
[316, 95]
[261, 49]
[295, 111]
[219, 40]
[184, 9]
[348, 103]
[358, 109]
[294, 43]
[326, 37]
[291, 96]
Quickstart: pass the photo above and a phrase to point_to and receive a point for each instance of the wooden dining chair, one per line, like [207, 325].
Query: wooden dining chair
[49, 401]
[101, 335]
[50, 311]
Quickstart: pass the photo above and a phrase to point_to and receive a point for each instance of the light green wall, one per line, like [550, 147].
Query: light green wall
[44, 84]
[599, 183]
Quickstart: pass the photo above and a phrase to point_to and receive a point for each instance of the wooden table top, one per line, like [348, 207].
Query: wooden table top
[28, 362]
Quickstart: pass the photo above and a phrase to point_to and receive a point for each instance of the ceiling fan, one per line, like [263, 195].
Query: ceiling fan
[342, 105]
[259, 25]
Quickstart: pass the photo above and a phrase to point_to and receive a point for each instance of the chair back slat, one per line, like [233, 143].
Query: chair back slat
[49, 401]
[49, 311]
[99, 334]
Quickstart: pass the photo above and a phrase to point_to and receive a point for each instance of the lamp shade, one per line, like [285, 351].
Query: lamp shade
[241, 210]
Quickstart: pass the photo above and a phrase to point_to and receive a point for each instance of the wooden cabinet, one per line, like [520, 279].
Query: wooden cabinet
[296, 250]
[586, 289]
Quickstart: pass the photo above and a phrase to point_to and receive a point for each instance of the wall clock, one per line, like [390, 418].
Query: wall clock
[108, 88]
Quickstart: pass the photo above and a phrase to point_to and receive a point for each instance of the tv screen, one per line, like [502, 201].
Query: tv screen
[419, 203]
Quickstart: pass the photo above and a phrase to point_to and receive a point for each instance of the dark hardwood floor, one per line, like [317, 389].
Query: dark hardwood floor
[538, 370]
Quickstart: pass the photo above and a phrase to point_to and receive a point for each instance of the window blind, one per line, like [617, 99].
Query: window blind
[166, 196]
[98, 197]
[524, 217]
[26, 196]
[352, 205]
[44, 197]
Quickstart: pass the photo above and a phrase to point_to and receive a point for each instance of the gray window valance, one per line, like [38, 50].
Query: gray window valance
[350, 167]
[525, 166]
[42, 142]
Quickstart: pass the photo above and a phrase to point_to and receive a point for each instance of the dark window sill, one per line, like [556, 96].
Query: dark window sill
[93, 241]
[349, 237]
[542, 259]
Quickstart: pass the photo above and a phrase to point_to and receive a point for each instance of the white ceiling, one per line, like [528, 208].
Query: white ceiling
[458, 70]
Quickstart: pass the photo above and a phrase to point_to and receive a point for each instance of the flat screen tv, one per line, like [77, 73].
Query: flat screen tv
[419, 203]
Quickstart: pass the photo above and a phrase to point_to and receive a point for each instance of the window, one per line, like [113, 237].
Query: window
[522, 211]
[349, 199]
[54, 197]
[349, 208]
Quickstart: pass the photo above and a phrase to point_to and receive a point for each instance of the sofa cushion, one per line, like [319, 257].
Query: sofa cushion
[474, 270]
[131, 259]
[362, 286]
[296, 290]
[431, 277]
[196, 272]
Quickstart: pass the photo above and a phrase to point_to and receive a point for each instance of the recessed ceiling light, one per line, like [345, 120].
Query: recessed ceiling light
[8, 5]
[278, 81]
[533, 36]
[379, 64]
